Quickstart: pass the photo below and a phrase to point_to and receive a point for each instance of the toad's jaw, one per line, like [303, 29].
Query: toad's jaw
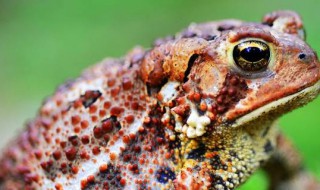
[290, 102]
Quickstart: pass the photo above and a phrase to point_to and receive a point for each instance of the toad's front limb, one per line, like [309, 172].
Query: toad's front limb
[285, 169]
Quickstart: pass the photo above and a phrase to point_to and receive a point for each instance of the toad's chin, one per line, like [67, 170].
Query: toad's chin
[273, 110]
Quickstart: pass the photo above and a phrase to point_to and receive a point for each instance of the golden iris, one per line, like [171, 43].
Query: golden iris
[252, 55]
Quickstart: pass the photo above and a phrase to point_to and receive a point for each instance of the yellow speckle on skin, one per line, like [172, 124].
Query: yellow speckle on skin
[172, 137]
[190, 163]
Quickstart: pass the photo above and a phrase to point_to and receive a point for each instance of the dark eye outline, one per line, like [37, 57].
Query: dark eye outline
[252, 55]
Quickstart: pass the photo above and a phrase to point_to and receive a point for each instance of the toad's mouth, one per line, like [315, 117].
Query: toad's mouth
[282, 105]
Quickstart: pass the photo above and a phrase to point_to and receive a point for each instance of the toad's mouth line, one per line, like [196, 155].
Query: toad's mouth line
[298, 99]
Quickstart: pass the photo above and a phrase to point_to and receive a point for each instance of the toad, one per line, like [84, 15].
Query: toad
[196, 111]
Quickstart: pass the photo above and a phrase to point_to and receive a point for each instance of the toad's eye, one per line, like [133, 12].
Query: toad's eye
[252, 55]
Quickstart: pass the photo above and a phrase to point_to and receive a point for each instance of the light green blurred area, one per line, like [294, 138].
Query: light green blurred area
[43, 43]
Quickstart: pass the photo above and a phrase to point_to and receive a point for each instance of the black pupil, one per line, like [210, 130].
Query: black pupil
[253, 54]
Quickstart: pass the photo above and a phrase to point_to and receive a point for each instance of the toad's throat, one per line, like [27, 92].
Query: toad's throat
[284, 104]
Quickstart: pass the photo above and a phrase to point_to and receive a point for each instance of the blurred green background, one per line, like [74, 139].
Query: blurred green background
[43, 43]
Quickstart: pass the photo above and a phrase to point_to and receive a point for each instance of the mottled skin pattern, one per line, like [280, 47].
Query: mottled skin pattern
[181, 115]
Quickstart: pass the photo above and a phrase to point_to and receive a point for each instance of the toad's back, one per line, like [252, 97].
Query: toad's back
[195, 111]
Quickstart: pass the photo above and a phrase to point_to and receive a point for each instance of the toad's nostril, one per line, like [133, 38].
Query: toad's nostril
[302, 56]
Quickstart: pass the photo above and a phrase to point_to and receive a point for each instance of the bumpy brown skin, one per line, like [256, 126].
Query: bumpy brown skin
[181, 115]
